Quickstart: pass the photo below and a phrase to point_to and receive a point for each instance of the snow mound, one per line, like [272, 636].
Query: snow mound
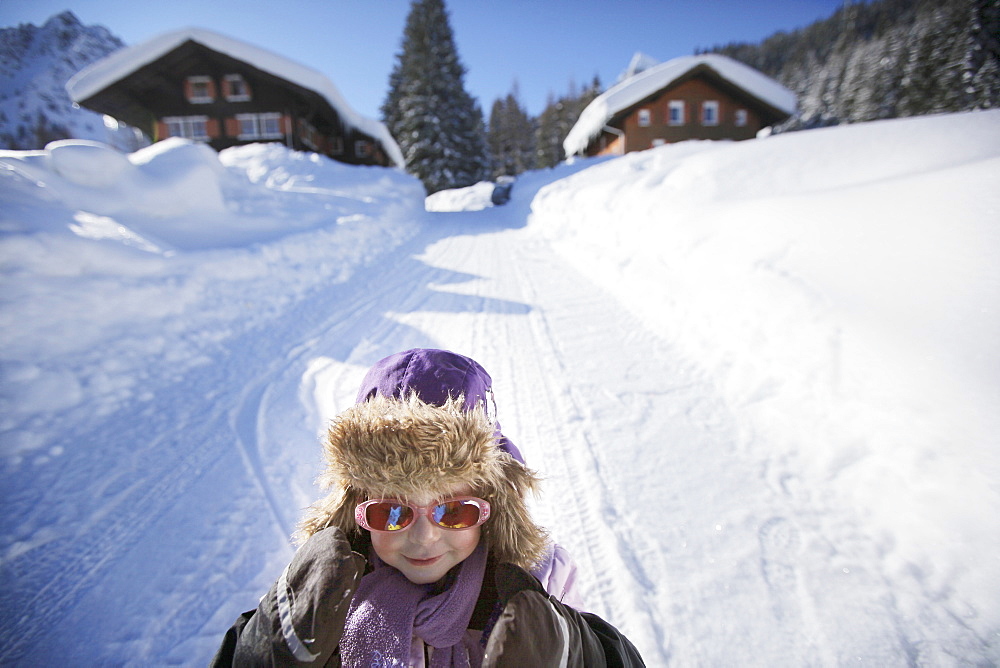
[133, 248]
[473, 198]
[841, 286]
[182, 195]
[89, 164]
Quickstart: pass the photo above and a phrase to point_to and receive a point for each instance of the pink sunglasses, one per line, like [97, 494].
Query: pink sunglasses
[463, 512]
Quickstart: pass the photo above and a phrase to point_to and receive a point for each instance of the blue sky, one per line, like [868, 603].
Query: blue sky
[543, 45]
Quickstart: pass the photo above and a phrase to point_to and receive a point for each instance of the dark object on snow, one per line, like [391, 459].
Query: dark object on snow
[501, 191]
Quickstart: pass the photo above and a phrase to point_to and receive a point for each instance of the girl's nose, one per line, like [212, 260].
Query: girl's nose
[423, 531]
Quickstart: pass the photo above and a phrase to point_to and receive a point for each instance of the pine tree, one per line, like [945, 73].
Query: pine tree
[558, 118]
[983, 58]
[437, 124]
[511, 137]
[548, 137]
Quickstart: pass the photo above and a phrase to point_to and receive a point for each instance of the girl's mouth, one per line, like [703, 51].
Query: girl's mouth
[423, 562]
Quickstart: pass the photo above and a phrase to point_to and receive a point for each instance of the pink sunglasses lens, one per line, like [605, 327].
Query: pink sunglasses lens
[456, 514]
[388, 516]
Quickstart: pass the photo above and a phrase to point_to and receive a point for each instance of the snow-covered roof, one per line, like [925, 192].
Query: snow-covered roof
[636, 88]
[120, 64]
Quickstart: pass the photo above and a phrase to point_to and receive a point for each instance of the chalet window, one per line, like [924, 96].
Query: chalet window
[260, 126]
[200, 90]
[645, 117]
[362, 149]
[271, 125]
[248, 126]
[741, 118]
[189, 127]
[676, 112]
[235, 88]
[710, 112]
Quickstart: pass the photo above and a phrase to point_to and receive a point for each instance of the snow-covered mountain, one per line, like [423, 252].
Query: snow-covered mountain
[35, 64]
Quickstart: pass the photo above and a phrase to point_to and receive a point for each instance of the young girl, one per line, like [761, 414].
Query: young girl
[424, 552]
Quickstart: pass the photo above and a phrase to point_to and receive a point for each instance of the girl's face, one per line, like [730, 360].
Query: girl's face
[424, 552]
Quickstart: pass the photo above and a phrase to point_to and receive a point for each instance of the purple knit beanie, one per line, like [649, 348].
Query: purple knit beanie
[434, 375]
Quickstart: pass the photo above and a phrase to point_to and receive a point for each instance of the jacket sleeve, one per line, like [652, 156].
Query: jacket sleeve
[619, 652]
[535, 628]
[301, 618]
[226, 654]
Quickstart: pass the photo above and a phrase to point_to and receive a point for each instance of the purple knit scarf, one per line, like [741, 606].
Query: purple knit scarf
[388, 609]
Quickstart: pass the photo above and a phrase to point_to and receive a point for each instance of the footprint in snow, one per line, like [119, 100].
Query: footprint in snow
[780, 545]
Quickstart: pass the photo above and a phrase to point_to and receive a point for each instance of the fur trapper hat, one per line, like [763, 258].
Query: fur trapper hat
[403, 446]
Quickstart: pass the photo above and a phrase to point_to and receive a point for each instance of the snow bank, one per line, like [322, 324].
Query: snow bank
[472, 198]
[130, 253]
[841, 286]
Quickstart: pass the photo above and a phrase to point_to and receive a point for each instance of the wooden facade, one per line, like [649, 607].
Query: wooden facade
[198, 93]
[700, 105]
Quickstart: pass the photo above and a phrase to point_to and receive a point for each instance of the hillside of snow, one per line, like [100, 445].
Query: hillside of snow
[783, 350]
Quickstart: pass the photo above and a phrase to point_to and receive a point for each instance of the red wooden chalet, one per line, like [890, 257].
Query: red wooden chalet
[693, 97]
[212, 88]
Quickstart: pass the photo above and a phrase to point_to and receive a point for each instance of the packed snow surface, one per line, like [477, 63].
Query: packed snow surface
[761, 380]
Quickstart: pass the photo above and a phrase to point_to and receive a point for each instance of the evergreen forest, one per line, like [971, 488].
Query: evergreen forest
[885, 59]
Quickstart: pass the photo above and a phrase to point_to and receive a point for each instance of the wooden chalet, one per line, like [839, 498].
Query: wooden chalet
[693, 97]
[211, 88]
